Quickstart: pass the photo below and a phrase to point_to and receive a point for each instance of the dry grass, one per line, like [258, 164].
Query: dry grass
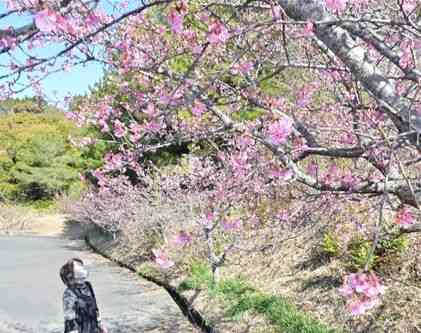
[297, 271]
[14, 219]
[291, 268]
[17, 220]
[310, 281]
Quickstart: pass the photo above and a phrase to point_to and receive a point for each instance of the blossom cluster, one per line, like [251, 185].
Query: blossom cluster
[362, 291]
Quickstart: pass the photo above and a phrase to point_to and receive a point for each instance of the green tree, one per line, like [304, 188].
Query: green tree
[26, 104]
[37, 158]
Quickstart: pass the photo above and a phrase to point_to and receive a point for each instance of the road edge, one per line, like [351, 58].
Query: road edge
[192, 315]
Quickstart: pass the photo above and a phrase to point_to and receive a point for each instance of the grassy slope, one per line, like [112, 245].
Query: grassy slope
[239, 298]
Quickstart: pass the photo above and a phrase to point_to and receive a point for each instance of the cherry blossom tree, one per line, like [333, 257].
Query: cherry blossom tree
[318, 97]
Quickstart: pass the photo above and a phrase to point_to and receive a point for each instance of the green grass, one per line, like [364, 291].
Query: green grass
[200, 278]
[43, 205]
[239, 298]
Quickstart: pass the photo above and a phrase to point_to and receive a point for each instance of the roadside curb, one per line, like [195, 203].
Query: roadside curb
[193, 316]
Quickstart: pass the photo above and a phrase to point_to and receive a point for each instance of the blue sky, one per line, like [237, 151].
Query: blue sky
[75, 82]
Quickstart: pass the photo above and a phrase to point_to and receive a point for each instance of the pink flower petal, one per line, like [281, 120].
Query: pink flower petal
[183, 239]
[218, 33]
[162, 259]
[46, 20]
[336, 5]
[279, 131]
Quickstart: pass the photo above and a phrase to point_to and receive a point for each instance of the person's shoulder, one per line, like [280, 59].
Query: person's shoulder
[90, 288]
[89, 285]
[68, 293]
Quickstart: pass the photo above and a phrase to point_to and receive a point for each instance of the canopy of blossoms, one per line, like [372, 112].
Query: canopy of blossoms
[321, 96]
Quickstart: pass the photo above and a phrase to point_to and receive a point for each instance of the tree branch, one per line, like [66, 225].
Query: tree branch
[355, 57]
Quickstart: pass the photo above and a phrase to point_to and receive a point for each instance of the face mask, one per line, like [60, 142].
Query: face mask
[80, 274]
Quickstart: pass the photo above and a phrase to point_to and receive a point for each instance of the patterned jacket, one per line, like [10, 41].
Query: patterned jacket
[72, 301]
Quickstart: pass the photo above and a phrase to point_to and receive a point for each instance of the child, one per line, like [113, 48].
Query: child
[81, 313]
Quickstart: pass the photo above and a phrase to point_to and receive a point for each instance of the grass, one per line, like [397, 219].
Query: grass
[239, 298]
[44, 205]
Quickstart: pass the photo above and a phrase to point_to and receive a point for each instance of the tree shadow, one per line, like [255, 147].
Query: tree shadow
[371, 323]
[315, 261]
[325, 282]
[73, 230]
[168, 322]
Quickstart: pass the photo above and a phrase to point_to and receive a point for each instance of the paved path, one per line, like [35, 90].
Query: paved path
[30, 290]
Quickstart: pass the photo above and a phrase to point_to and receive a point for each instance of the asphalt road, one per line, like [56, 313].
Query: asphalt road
[31, 290]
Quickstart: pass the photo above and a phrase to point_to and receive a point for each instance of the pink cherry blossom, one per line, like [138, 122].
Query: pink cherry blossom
[263, 60]
[331, 175]
[100, 176]
[49, 21]
[282, 174]
[409, 5]
[313, 169]
[103, 125]
[283, 215]
[207, 220]
[404, 217]
[406, 59]
[136, 132]
[279, 131]
[170, 99]
[150, 110]
[162, 259]
[242, 68]
[244, 142]
[362, 290]
[336, 5]
[231, 224]
[183, 239]
[198, 108]
[93, 19]
[176, 21]
[152, 126]
[304, 95]
[347, 139]
[239, 164]
[12, 5]
[308, 30]
[278, 103]
[356, 308]
[218, 33]
[254, 220]
[119, 129]
[276, 12]
[46, 20]
[8, 42]
[348, 180]
[113, 161]
[221, 156]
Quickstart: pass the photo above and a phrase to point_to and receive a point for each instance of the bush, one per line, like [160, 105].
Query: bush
[360, 250]
[330, 245]
[26, 104]
[37, 160]
[388, 250]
